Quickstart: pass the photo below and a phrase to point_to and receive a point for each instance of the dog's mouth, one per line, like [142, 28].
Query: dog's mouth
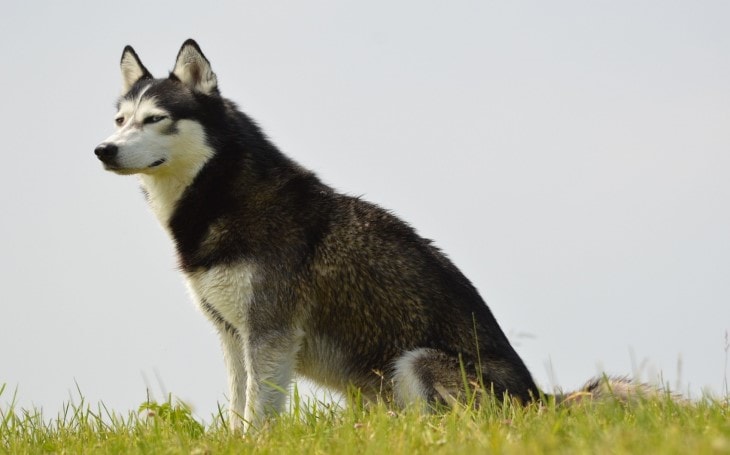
[114, 167]
[120, 170]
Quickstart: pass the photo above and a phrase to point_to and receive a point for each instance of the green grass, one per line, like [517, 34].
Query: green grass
[652, 426]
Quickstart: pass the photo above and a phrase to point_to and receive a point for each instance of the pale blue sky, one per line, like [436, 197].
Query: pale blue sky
[572, 158]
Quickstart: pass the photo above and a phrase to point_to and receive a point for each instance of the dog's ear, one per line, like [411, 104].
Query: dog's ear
[132, 69]
[193, 69]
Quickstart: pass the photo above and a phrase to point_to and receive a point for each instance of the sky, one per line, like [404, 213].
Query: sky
[572, 158]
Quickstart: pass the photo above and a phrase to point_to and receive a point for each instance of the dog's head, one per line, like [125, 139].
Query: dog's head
[158, 128]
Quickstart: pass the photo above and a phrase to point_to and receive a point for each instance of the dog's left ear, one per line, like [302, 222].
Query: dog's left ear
[193, 69]
[132, 69]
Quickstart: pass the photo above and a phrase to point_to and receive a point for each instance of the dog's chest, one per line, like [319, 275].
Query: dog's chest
[224, 292]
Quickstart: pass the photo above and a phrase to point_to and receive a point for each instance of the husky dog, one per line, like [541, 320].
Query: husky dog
[296, 277]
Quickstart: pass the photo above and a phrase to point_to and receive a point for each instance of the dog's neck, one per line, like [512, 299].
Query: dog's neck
[163, 192]
[165, 185]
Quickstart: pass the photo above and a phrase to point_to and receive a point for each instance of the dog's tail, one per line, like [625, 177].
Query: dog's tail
[617, 388]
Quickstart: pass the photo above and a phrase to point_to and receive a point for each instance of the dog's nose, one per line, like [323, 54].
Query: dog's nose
[106, 152]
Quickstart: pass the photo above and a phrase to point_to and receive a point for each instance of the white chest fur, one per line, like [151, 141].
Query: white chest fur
[226, 289]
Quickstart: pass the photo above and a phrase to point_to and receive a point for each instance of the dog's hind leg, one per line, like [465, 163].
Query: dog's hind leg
[426, 376]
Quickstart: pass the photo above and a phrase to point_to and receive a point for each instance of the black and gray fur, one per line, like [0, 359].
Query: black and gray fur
[301, 279]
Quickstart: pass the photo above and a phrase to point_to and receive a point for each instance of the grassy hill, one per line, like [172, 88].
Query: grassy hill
[650, 426]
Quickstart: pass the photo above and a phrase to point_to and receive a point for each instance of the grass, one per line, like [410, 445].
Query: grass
[651, 426]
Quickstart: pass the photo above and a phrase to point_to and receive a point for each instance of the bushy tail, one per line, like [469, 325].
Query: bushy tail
[619, 388]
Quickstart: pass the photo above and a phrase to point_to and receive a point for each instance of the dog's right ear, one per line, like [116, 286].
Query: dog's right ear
[132, 69]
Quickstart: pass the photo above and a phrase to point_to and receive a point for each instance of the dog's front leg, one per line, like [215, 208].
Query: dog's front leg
[233, 355]
[270, 360]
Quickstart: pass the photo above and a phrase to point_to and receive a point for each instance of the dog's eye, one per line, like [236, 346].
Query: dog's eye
[153, 119]
[119, 121]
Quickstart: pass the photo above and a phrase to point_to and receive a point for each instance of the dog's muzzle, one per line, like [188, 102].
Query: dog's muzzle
[107, 153]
